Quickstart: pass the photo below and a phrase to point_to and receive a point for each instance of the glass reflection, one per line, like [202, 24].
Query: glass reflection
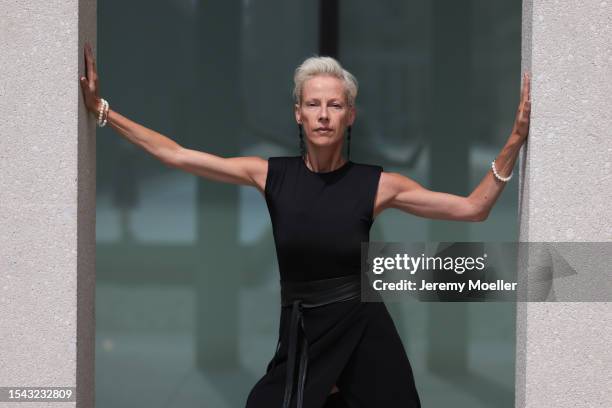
[187, 291]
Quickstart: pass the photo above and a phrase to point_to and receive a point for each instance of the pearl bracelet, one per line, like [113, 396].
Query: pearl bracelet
[100, 111]
[500, 178]
[103, 113]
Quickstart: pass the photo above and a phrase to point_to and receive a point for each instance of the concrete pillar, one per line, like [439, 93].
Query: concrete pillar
[47, 198]
[564, 357]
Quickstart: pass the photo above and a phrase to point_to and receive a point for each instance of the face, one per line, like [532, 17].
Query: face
[324, 111]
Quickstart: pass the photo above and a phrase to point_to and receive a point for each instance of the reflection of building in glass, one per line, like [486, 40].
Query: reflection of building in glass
[415, 116]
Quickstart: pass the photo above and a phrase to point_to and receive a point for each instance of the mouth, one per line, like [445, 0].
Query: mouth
[323, 130]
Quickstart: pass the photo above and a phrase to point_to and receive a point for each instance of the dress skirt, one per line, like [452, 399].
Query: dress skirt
[328, 337]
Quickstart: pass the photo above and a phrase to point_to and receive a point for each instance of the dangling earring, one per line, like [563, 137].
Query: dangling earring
[348, 144]
[302, 147]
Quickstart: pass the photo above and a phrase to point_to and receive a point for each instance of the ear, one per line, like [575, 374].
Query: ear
[298, 114]
[352, 115]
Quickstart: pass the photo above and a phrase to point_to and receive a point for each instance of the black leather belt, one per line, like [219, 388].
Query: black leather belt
[303, 295]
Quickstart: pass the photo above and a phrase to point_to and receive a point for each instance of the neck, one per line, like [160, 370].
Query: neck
[324, 160]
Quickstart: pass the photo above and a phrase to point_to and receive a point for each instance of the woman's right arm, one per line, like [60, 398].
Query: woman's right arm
[249, 170]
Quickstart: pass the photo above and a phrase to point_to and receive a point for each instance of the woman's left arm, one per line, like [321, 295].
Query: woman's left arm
[486, 193]
[400, 192]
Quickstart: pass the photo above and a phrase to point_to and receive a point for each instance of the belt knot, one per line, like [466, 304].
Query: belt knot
[304, 295]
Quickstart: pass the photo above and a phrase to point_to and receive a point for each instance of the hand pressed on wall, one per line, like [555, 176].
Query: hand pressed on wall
[523, 114]
[90, 85]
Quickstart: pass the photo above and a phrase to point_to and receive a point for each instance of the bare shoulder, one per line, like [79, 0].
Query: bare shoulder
[255, 168]
[389, 185]
[394, 182]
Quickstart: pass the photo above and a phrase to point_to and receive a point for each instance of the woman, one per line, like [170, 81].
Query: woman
[333, 350]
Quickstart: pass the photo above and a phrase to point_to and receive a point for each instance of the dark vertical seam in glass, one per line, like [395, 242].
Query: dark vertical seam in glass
[328, 27]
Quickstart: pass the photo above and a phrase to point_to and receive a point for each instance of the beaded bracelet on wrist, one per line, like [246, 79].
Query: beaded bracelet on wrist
[103, 113]
[500, 178]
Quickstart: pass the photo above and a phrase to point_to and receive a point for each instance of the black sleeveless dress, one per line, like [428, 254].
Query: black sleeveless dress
[319, 221]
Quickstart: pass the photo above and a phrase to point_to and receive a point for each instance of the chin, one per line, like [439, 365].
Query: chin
[323, 140]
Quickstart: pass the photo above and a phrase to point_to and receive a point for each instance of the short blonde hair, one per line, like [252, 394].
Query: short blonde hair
[314, 66]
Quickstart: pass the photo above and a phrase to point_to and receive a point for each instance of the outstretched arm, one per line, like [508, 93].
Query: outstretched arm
[403, 193]
[236, 170]
[249, 170]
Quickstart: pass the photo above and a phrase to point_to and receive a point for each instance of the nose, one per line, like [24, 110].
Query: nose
[323, 113]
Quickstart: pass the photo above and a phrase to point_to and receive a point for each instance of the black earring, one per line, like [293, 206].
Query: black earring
[302, 147]
[348, 144]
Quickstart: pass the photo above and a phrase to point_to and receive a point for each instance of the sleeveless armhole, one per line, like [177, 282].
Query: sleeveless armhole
[377, 171]
[269, 176]
[272, 177]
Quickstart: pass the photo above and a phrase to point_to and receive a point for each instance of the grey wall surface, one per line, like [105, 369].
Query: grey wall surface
[47, 198]
[564, 357]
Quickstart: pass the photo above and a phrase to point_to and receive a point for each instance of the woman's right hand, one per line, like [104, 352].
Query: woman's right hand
[90, 85]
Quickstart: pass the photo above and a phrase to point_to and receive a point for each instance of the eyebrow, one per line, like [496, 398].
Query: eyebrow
[318, 100]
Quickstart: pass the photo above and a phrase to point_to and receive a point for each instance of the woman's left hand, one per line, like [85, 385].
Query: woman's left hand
[523, 114]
